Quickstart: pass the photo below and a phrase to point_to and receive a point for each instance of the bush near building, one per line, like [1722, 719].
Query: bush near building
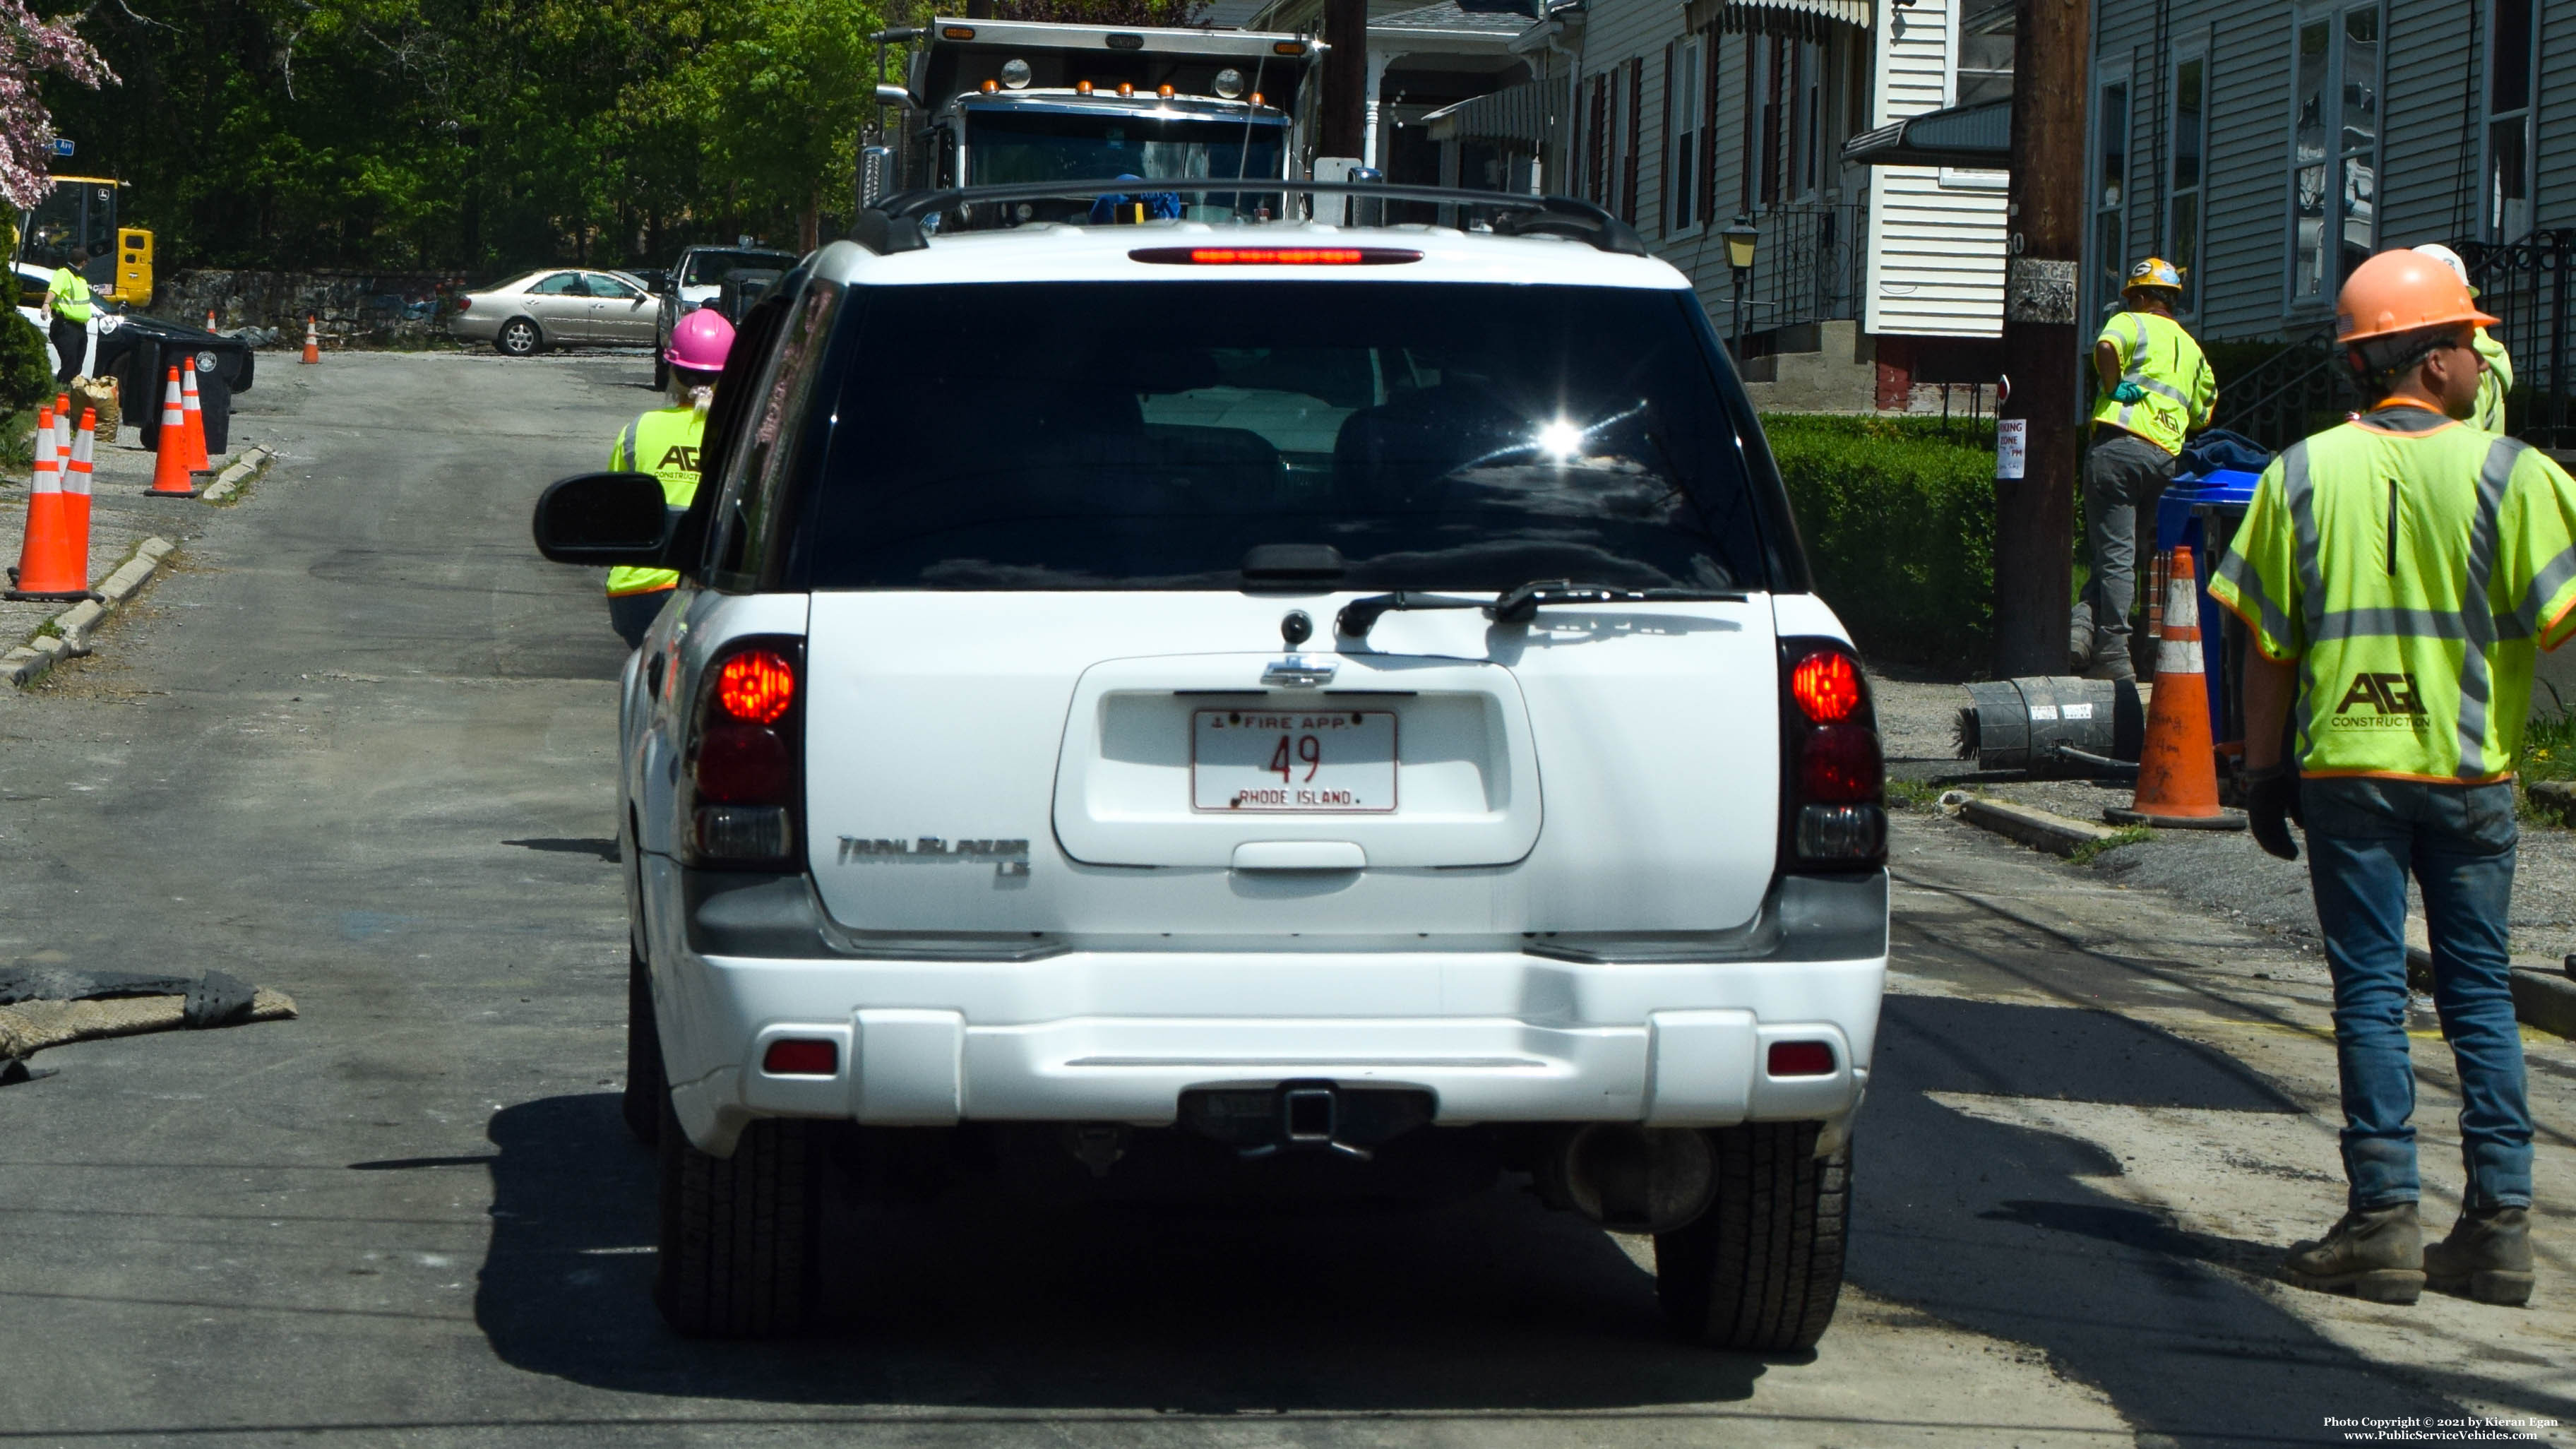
[1898, 519]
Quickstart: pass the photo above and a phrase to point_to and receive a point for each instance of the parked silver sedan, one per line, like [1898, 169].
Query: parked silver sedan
[558, 307]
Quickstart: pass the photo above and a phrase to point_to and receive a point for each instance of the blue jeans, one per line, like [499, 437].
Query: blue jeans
[2364, 837]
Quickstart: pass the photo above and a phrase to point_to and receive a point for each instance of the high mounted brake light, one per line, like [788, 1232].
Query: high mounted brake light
[1274, 256]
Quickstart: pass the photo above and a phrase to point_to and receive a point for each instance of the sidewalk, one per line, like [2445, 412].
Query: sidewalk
[121, 517]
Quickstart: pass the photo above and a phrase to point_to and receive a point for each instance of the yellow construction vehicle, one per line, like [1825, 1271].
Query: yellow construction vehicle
[76, 227]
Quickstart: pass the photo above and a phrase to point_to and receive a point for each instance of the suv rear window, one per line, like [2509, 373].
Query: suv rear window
[1117, 436]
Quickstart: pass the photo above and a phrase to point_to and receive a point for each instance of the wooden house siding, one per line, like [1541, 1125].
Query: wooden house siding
[1935, 249]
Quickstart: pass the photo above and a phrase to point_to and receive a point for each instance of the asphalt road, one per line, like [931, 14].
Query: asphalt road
[357, 746]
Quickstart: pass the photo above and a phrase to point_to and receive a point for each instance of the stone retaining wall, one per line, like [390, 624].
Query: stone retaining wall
[352, 309]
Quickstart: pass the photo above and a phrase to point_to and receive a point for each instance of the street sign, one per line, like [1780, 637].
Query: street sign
[62, 146]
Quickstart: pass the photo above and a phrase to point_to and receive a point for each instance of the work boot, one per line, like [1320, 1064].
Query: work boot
[2374, 1253]
[2487, 1256]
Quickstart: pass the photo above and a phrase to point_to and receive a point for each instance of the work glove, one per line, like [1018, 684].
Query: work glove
[2271, 802]
[2128, 392]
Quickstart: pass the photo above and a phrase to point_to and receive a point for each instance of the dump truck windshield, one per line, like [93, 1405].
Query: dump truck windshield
[1026, 143]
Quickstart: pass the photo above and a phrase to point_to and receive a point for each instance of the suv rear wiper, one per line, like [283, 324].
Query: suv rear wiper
[1517, 605]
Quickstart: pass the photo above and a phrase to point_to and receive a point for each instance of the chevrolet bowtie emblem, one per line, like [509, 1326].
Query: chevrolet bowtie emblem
[1297, 672]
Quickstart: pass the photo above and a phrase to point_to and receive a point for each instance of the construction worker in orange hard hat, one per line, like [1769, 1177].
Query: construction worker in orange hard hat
[664, 442]
[2398, 575]
[2157, 389]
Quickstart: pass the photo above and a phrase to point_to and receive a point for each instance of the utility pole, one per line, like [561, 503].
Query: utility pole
[1345, 121]
[2043, 353]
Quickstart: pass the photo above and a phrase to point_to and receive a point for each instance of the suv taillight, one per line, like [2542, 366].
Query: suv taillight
[1833, 781]
[743, 776]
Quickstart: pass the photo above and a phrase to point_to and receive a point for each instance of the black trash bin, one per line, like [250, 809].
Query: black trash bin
[146, 375]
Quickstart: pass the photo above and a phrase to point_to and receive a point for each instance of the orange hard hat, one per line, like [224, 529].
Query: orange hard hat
[2403, 291]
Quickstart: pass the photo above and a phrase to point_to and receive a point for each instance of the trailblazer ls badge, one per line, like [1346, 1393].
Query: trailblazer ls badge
[1010, 857]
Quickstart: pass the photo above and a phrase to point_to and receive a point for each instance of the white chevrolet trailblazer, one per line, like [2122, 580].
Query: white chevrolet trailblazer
[1286, 702]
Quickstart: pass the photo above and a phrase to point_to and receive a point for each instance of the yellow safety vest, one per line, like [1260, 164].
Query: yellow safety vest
[2492, 388]
[2159, 356]
[2414, 567]
[70, 293]
[663, 443]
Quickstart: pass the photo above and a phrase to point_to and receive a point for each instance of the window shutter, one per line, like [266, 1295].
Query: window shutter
[1708, 129]
[1636, 128]
[1664, 148]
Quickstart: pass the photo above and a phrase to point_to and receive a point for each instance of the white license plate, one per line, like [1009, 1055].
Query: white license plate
[1295, 760]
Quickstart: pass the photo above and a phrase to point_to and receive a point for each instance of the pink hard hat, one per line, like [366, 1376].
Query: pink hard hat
[700, 341]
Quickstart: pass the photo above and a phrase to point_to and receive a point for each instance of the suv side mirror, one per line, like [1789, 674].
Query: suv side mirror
[603, 518]
[655, 280]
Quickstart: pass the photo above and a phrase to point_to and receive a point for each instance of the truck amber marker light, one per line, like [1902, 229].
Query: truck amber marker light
[1274, 256]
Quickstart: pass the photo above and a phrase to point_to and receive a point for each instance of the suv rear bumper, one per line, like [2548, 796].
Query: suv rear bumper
[1577, 1034]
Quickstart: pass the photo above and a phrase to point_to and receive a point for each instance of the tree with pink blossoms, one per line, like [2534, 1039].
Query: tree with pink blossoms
[29, 47]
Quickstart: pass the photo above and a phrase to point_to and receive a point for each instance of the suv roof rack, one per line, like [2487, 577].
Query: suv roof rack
[894, 223]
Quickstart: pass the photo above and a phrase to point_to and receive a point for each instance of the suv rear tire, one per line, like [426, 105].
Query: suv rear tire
[1760, 1271]
[646, 1087]
[741, 1236]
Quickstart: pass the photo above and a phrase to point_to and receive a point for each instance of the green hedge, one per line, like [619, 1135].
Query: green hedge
[1898, 517]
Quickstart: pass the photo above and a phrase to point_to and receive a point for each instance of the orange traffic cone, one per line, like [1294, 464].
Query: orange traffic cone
[51, 564]
[210, 319]
[198, 462]
[2178, 769]
[171, 476]
[312, 341]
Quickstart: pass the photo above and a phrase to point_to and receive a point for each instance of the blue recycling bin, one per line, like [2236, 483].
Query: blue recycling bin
[2200, 511]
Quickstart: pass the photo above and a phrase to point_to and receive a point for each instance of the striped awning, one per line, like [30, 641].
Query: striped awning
[1804, 19]
[1514, 113]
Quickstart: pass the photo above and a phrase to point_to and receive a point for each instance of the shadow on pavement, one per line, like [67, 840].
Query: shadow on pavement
[1988, 1226]
[1489, 1304]
[1494, 1303]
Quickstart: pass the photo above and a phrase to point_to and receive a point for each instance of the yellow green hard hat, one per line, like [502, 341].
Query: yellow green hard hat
[2154, 272]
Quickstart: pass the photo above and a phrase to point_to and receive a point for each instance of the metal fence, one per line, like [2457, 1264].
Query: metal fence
[2298, 390]
[2526, 284]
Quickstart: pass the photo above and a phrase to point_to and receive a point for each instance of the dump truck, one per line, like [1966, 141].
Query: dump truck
[991, 102]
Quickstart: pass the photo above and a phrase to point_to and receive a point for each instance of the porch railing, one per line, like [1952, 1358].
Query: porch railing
[1809, 266]
[2527, 285]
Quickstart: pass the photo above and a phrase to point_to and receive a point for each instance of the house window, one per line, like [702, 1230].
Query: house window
[2513, 48]
[2110, 192]
[2334, 151]
[1784, 119]
[2190, 116]
[1681, 172]
[1985, 71]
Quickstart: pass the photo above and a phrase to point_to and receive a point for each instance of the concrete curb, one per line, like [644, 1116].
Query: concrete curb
[2543, 995]
[2555, 797]
[28, 662]
[238, 474]
[2040, 829]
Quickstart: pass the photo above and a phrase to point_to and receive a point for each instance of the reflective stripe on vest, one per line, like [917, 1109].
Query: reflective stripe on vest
[664, 443]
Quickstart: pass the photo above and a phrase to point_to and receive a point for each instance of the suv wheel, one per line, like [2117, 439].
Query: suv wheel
[1760, 1270]
[740, 1235]
[646, 1087]
[519, 338]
